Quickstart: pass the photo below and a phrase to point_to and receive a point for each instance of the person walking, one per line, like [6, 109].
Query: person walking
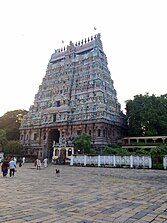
[4, 167]
[12, 167]
[20, 162]
[23, 160]
[45, 162]
[38, 164]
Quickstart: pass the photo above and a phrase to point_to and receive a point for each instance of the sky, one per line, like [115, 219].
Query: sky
[133, 32]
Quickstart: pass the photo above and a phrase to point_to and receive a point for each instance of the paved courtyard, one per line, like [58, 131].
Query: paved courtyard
[83, 195]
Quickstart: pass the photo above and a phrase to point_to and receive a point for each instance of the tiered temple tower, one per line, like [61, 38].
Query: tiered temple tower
[76, 96]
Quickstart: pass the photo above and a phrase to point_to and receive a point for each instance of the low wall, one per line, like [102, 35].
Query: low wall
[112, 161]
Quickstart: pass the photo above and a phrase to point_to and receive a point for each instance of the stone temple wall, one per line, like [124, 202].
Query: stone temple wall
[76, 96]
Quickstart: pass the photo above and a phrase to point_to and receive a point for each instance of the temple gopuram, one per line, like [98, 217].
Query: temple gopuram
[76, 96]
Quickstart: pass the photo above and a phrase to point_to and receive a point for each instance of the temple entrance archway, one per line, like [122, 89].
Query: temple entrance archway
[53, 136]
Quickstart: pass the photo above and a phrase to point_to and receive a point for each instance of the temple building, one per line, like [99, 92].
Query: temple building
[76, 96]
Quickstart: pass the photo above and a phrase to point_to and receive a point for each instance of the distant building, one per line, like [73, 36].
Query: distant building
[143, 142]
[76, 96]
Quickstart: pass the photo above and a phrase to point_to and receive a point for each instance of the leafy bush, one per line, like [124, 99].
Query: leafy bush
[114, 151]
[93, 152]
[159, 150]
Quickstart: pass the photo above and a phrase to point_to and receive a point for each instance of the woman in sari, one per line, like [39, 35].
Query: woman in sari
[45, 162]
[4, 167]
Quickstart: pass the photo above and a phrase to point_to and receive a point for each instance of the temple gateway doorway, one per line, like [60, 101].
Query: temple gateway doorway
[53, 136]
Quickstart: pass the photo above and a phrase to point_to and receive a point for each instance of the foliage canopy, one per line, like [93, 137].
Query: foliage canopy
[10, 122]
[13, 147]
[83, 142]
[146, 115]
[3, 139]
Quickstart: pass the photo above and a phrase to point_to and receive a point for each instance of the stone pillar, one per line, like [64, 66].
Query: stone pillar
[98, 160]
[84, 160]
[131, 161]
[114, 160]
[163, 140]
[104, 160]
[165, 162]
[154, 140]
[59, 152]
[67, 151]
[143, 161]
[71, 162]
[150, 162]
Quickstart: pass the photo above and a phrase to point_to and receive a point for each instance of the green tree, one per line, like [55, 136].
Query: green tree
[13, 147]
[83, 142]
[3, 139]
[10, 122]
[146, 115]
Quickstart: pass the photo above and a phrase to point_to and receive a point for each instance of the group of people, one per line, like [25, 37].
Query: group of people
[10, 164]
[38, 163]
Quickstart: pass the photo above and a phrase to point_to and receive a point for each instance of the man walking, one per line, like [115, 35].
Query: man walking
[12, 167]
